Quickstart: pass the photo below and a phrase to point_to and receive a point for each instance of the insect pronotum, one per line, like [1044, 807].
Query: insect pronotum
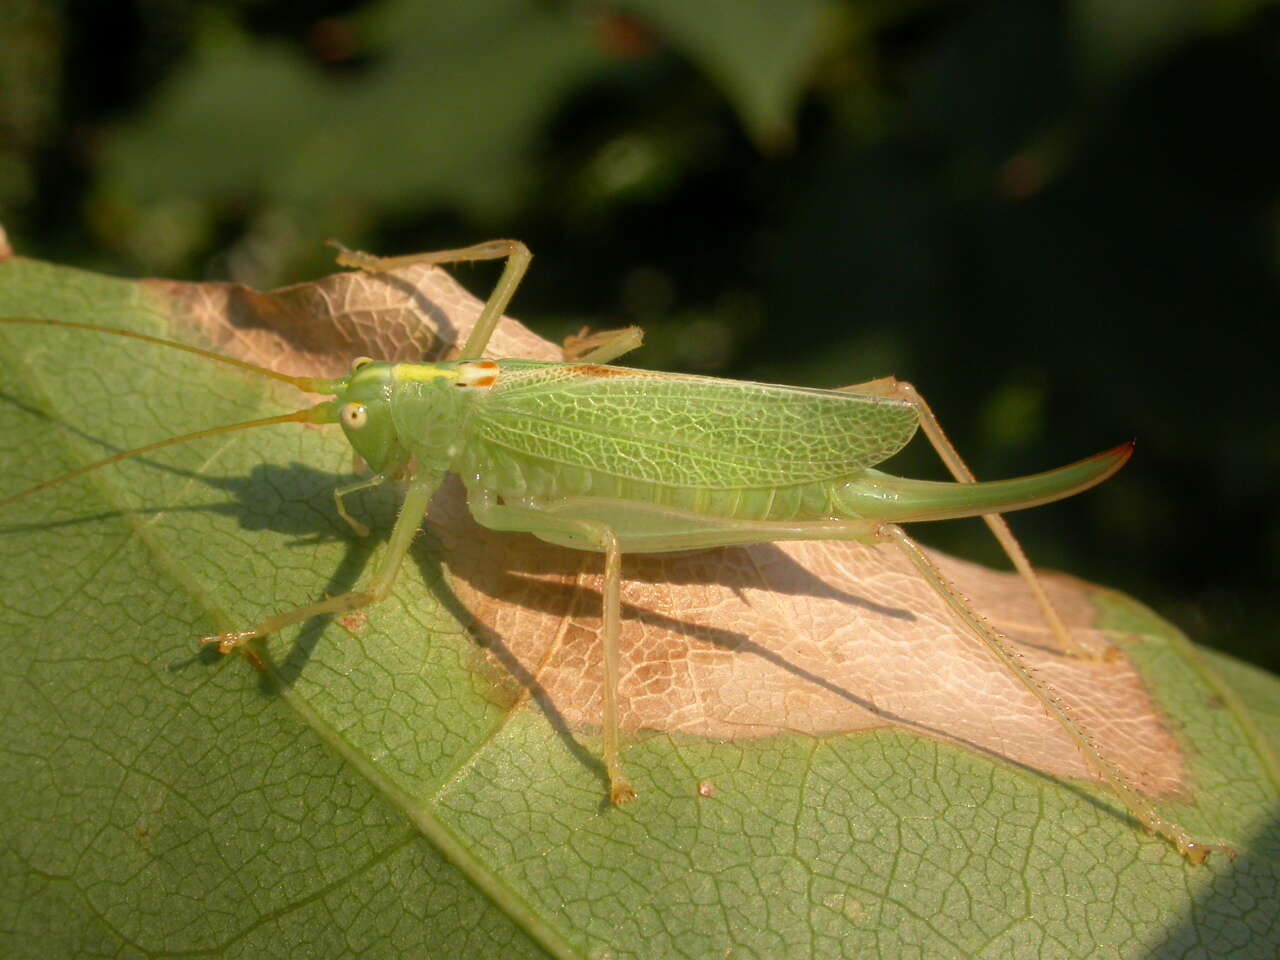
[618, 460]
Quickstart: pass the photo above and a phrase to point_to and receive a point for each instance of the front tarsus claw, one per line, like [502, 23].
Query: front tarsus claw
[1198, 853]
[231, 640]
[621, 792]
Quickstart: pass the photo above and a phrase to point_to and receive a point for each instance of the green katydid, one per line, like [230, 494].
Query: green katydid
[616, 460]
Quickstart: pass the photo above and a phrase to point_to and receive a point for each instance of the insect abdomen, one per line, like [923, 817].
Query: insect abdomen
[520, 477]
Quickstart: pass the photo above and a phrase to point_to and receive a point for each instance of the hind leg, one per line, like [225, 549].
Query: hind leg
[947, 453]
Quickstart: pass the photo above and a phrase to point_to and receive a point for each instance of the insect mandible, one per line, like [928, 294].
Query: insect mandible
[617, 461]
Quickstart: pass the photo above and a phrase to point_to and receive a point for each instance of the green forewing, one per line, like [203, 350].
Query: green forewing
[687, 430]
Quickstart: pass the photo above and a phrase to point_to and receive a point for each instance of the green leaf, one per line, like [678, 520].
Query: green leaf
[761, 54]
[429, 784]
[434, 104]
[1117, 39]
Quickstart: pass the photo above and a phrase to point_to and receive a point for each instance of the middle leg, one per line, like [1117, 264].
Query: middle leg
[603, 346]
[516, 254]
[592, 535]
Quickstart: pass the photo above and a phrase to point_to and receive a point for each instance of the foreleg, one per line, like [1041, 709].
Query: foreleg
[346, 490]
[412, 511]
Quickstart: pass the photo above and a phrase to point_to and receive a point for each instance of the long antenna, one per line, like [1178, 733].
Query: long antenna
[320, 413]
[307, 384]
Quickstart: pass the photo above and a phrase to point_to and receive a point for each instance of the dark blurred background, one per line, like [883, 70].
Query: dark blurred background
[1060, 220]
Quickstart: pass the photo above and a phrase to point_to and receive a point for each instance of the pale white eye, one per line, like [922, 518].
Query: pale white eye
[354, 415]
[359, 362]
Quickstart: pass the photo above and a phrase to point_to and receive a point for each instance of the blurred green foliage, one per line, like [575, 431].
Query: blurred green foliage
[1060, 220]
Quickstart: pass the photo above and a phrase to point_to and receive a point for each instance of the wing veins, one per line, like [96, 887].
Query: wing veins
[803, 435]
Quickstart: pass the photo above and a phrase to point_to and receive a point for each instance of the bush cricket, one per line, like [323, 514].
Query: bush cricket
[616, 460]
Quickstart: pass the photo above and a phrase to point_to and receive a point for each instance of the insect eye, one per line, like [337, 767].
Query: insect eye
[359, 362]
[354, 415]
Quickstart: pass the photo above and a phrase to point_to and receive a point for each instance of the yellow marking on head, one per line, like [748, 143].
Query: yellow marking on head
[422, 372]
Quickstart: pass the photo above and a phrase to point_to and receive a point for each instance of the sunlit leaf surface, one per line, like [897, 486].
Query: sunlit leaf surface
[827, 766]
